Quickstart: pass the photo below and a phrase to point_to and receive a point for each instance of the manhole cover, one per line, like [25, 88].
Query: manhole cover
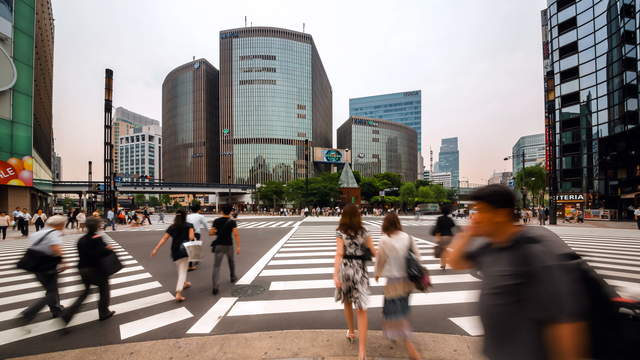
[247, 290]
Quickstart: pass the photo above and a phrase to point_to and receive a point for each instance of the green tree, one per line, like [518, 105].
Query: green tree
[408, 194]
[195, 202]
[439, 193]
[534, 180]
[272, 192]
[154, 201]
[140, 200]
[67, 203]
[176, 205]
[369, 187]
[394, 180]
[165, 199]
[421, 183]
[425, 194]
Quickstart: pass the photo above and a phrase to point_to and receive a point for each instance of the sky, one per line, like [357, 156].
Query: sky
[478, 64]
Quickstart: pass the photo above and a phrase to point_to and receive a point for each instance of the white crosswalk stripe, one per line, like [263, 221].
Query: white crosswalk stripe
[133, 291]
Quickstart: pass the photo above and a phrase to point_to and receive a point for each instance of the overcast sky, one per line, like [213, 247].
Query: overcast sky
[478, 64]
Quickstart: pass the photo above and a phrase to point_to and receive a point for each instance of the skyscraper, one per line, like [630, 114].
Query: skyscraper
[449, 160]
[124, 121]
[141, 154]
[534, 151]
[190, 127]
[275, 104]
[26, 124]
[590, 53]
[403, 107]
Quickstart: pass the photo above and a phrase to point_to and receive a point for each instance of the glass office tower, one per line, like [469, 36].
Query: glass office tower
[591, 101]
[403, 107]
[379, 146]
[275, 105]
[534, 151]
[449, 160]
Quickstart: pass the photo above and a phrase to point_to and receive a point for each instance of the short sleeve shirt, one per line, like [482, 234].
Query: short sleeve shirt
[53, 238]
[179, 235]
[523, 289]
[224, 227]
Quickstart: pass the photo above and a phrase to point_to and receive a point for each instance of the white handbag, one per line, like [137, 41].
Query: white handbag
[194, 250]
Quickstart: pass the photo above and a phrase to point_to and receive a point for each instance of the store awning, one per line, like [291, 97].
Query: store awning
[630, 195]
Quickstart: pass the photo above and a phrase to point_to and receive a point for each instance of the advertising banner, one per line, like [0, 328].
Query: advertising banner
[331, 156]
[17, 172]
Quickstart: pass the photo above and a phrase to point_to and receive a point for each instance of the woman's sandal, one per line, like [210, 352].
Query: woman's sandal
[351, 337]
[186, 285]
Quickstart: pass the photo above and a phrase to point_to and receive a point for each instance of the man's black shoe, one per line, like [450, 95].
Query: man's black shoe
[214, 291]
[58, 313]
[110, 314]
[233, 280]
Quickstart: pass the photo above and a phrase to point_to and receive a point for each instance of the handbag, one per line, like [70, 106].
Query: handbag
[110, 264]
[193, 249]
[38, 261]
[416, 273]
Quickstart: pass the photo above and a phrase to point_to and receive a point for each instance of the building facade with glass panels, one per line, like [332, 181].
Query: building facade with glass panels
[379, 146]
[403, 107]
[590, 51]
[124, 121]
[140, 154]
[190, 124]
[534, 151]
[449, 160]
[275, 105]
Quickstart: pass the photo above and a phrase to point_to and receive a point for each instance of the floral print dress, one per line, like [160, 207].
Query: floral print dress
[353, 272]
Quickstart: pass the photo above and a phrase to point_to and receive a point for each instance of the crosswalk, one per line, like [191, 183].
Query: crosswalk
[133, 292]
[241, 225]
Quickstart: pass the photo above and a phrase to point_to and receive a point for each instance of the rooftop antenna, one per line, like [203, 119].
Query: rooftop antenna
[245, 21]
[303, 24]
[430, 160]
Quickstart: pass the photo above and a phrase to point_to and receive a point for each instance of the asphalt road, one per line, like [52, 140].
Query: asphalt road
[285, 283]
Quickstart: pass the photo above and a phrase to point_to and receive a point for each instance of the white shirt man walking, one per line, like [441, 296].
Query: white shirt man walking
[198, 221]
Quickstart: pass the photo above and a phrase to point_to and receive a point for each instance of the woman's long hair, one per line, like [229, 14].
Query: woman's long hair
[180, 220]
[391, 224]
[351, 221]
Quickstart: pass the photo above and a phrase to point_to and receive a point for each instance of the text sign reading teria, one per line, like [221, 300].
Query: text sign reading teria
[570, 197]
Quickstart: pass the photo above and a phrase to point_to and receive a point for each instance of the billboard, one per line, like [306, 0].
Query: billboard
[331, 156]
[17, 172]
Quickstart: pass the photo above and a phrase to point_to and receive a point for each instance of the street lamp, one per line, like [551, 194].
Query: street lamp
[522, 190]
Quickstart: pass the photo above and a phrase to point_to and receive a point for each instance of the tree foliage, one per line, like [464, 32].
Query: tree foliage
[534, 180]
[154, 201]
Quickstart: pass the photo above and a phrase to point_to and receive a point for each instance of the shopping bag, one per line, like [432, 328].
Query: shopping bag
[110, 264]
[194, 250]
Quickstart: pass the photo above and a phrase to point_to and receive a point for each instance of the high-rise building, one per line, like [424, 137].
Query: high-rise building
[533, 147]
[443, 178]
[590, 51]
[190, 127]
[379, 146]
[275, 104]
[502, 178]
[26, 79]
[403, 107]
[140, 154]
[124, 121]
[449, 159]
[57, 167]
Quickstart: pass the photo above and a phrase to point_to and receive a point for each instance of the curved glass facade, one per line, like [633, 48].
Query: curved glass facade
[591, 96]
[268, 110]
[379, 146]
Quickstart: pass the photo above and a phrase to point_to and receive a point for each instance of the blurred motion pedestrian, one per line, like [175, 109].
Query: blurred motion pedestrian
[443, 232]
[224, 228]
[5, 221]
[636, 213]
[529, 305]
[111, 220]
[39, 219]
[25, 219]
[47, 243]
[391, 263]
[145, 214]
[91, 249]
[354, 247]
[15, 214]
[82, 220]
[179, 232]
[198, 221]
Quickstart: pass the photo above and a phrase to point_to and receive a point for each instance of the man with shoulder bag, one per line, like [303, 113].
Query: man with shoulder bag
[44, 260]
[224, 228]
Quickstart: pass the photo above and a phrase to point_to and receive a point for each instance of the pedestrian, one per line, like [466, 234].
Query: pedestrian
[5, 221]
[416, 210]
[546, 214]
[47, 242]
[82, 220]
[111, 220]
[161, 216]
[91, 249]
[391, 262]
[15, 214]
[76, 211]
[542, 218]
[224, 228]
[25, 219]
[39, 219]
[636, 213]
[198, 221]
[580, 217]
[179, 232]
[354, 247]
[529, 305]
[145, 213]
[443, 232]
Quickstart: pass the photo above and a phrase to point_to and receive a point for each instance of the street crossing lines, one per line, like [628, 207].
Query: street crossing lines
[153, 322]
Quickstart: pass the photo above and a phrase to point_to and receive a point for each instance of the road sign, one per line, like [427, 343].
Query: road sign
[58, 210]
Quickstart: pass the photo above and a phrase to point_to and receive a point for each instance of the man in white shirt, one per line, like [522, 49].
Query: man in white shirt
[111, 220]
[198, 221]
[16, 214]
[636, 213]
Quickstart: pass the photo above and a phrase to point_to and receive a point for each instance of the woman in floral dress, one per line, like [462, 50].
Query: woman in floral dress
[350, 275]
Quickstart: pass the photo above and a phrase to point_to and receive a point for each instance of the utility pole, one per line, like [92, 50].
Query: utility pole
[108, 194]
[522, 188]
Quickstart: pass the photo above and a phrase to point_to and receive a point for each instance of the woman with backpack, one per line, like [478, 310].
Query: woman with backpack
[391, 262]
[180, 232]
[354, 247]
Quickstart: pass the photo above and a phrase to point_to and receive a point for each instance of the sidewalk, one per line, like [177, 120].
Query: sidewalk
[292, 344]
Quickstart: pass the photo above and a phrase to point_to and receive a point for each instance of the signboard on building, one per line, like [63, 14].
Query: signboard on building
[331, 156]
[569, 198]
[17, 172]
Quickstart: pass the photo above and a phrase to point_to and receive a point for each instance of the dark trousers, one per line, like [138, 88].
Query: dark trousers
[49, 281]
[146, 217]
[112, 223]
[638, 222]
[91, 277]
[3, 230]
[39, 225]
[23, 225]
[15, 223]
[220, 252]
